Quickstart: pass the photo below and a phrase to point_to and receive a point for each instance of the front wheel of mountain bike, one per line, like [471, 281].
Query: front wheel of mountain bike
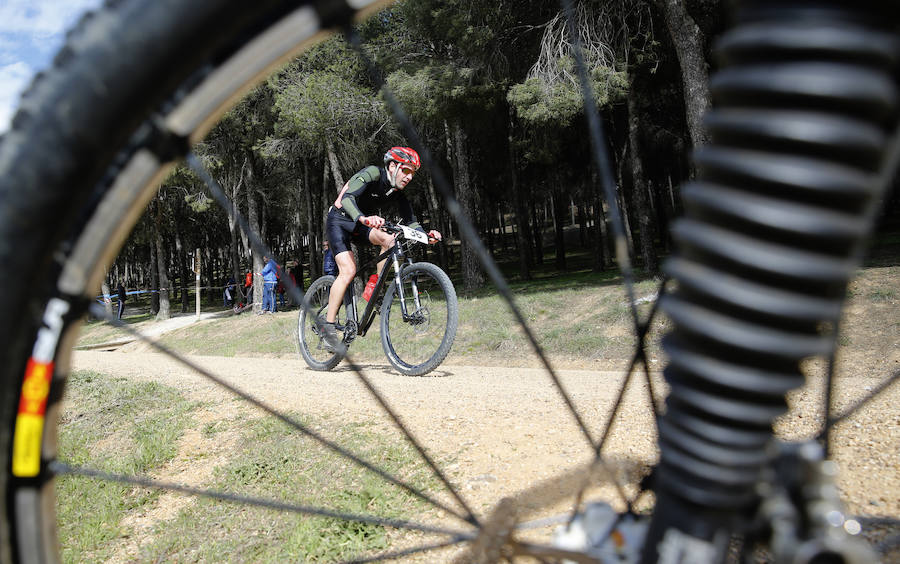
[312, 344]
[419, 319]
[138, 82]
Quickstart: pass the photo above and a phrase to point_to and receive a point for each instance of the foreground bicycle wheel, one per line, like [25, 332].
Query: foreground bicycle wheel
[73, 183]
[419, 318]
[145, 79]
[312, 344]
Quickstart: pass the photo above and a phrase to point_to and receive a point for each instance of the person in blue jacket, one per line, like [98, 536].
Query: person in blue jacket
[270, 279]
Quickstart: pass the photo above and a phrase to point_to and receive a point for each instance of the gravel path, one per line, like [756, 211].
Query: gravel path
[507, 429]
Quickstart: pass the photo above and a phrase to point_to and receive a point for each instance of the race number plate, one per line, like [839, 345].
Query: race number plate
[414, 234]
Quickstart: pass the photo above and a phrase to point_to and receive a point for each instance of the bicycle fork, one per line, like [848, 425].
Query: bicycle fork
[414, 288]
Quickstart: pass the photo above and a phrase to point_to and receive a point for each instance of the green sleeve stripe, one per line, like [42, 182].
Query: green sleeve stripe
[354, 186]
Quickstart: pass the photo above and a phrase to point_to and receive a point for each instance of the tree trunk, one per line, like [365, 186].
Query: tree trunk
[335, 166]
[107, 298]
[689, 47]
[161, 264]
[523, 232]
[311, 226]
[253, 221]
[623, 178]
[642, 210]
[435, 210]
[154, 274]
[626, 221]
[601, 256]
[558, 202]
[181, 264]
[207, 268]
[582, 228]
[473, 278]
[538, 231]
[501, 218]
[233, 229]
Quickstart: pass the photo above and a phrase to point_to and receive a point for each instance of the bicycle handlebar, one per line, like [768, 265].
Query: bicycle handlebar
[389, 227]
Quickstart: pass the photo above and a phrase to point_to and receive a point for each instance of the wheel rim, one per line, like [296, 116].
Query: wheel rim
[145, 166]
[414, 338]
[311, 340]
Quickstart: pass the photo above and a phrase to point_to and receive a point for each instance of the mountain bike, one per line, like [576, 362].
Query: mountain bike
[419, 311]
[804, 141]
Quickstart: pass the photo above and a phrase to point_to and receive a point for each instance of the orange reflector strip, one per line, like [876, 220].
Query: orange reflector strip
[26, 459]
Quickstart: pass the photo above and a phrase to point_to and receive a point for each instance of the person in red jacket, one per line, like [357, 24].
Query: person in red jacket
[248, 288]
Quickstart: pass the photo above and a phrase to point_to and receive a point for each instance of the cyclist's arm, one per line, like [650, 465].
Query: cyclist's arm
[355, 187]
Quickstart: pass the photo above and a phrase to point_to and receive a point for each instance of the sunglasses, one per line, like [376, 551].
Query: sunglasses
[407, 170]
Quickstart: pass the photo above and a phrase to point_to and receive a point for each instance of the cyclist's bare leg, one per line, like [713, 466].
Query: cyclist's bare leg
[380, 239]
[346, 271]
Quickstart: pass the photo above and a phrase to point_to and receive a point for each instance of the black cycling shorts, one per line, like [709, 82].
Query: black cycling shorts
[341, 230]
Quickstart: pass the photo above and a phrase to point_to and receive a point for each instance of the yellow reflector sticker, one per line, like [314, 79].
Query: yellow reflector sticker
[26, 459]
[26, 462]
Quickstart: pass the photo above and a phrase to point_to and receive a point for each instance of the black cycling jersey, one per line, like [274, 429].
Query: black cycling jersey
[369, 190]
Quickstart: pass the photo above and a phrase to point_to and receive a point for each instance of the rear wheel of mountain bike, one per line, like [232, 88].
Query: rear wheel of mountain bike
[417, 341]
[312, 344]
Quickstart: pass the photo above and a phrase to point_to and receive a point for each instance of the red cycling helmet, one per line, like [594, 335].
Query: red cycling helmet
[403, 155]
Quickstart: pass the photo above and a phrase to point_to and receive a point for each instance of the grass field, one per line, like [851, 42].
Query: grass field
[131, 428]
[579, 319]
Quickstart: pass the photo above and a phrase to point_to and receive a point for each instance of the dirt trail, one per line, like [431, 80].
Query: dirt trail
[505, 428]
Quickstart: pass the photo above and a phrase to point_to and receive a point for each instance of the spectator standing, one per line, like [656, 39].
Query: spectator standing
[228, 294]
[248, 288]
[269, 275]
[121, 291]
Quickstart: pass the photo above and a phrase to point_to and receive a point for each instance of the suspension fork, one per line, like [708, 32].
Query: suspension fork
[399, 283]
[734, 355]
[414, 286]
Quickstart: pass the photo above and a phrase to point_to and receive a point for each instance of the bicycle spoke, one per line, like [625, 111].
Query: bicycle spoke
[602, 161]
[485, 258]
[220, 196]
[98, 311]
[881, 388]
[886, 174]
[256, 242]
[642, 337]
[415, 443]
[828, 400]
[468, 230]
[61, 468]
[638, 355]
[411, 551]
[542, 551]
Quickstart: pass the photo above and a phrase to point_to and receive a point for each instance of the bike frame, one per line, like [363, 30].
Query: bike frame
[396, 254]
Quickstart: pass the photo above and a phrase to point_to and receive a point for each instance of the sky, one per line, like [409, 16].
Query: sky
[31, 31]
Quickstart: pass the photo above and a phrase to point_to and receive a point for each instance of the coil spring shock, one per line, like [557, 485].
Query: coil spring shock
[804, 103]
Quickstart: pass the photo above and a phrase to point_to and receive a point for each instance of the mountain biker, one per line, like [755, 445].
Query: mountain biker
[353, 217]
